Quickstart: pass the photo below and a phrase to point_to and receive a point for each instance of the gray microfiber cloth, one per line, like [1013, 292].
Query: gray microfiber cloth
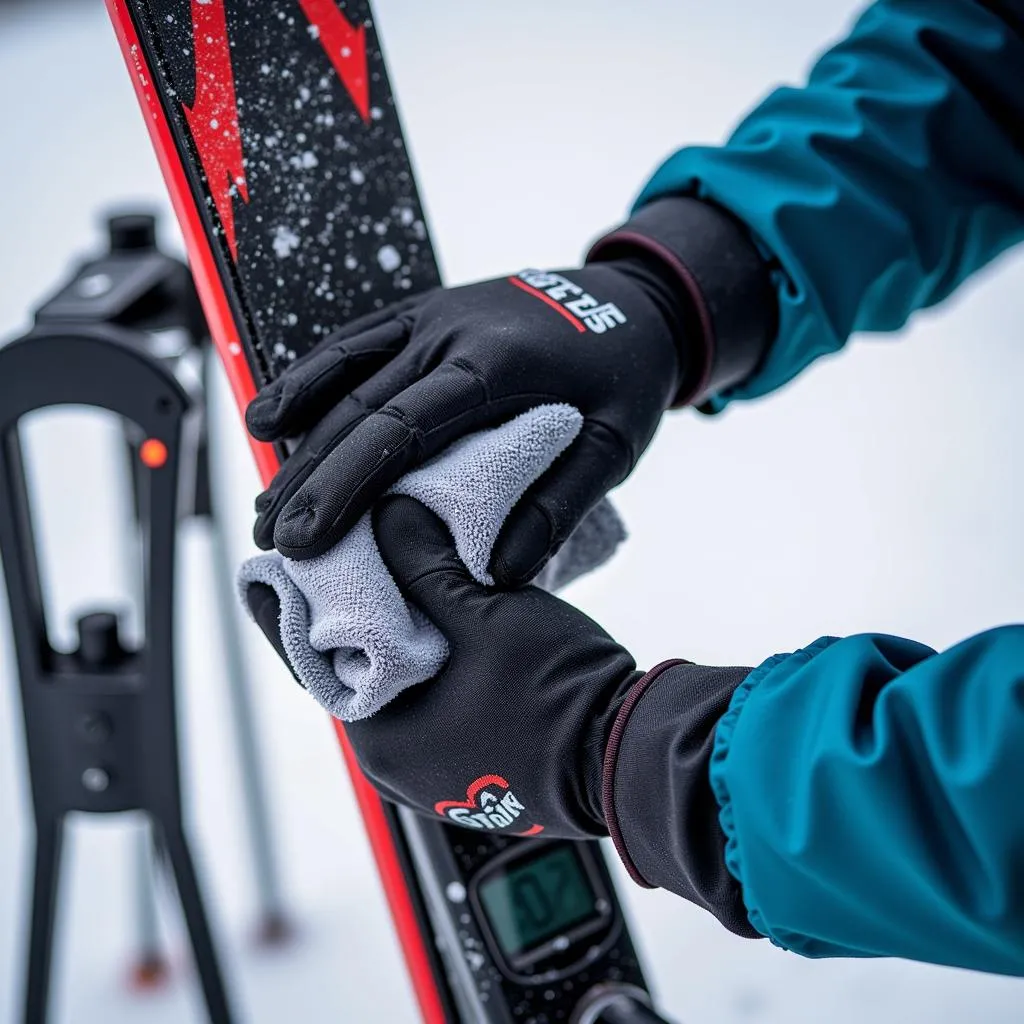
[350, 635]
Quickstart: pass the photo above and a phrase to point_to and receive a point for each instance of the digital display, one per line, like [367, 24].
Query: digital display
[533, 902]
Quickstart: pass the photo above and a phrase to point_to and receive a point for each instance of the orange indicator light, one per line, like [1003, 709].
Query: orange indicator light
[153, 453]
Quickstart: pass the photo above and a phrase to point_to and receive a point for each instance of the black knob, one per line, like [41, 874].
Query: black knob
[96, 780]
[98, 642]
[131, 232]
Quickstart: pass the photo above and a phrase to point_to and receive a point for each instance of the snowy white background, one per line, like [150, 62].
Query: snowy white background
[883, 491]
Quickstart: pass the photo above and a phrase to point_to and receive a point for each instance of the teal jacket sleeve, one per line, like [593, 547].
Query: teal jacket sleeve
[870, 791]
[895, 173]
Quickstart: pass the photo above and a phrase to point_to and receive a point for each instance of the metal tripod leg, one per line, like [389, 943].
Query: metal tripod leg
[203, 950]
[273, 926]
[49, 839]
[150, 968]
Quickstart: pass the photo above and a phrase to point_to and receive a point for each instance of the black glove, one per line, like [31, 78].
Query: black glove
[620, 340]
[515, 726]
[540, 723]
[394, 389]
[511, 734]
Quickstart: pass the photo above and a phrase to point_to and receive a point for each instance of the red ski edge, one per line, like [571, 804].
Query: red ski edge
[226, 338]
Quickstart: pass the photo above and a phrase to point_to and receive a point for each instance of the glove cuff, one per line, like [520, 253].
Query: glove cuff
[661, 812]
[716, 265]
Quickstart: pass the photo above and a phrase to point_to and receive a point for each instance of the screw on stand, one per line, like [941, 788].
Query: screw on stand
[100, 723]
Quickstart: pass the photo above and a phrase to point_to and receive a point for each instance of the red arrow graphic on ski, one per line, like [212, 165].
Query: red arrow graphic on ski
[345, 45]
[213, 117]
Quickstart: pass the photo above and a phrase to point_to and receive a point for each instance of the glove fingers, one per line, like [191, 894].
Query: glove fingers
[420, 554]
[402, 310]
[425, 418]
[337, 424]
[553, 507]
[305, 393]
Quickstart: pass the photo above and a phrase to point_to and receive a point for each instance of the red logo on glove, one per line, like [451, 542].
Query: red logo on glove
[489, 804]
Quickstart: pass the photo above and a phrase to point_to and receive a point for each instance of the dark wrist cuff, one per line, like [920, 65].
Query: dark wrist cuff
[722, 275]
[658, 803]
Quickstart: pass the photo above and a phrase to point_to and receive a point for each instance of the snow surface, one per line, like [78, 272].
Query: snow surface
[884, 491]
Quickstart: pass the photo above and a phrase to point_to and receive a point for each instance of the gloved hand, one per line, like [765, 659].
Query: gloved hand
[393, 389]
[674, 306]
[515, 725]
[540, 723]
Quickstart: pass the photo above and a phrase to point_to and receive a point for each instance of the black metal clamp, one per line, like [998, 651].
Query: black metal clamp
[100, 722]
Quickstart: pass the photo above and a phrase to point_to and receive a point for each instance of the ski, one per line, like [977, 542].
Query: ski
[280, 143]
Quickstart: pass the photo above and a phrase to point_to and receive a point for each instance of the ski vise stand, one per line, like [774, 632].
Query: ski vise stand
[100, 722]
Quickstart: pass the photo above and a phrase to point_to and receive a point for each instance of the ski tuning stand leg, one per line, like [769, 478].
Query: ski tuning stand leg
[273, 925]
[100, 722]
[150, 969]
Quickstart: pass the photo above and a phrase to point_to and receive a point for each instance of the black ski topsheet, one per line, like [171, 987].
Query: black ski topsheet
[277, 131]
[289, 118]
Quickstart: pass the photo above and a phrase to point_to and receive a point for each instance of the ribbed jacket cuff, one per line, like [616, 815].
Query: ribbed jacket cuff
[724, 279]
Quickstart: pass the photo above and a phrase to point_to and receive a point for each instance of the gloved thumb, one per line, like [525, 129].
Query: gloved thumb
[265, 606]
[420, 554]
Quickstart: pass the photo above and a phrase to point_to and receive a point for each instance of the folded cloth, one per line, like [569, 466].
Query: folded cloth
[350, 636]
